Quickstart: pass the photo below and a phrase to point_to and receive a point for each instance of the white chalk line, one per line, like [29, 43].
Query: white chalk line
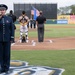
[12, 44]
[21, 45]
[33, 43]
[50, 41]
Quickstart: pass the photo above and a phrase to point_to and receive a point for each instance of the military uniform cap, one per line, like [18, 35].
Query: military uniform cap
[3, 6]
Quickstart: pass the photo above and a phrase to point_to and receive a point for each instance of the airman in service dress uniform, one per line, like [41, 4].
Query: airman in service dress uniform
[6, 36]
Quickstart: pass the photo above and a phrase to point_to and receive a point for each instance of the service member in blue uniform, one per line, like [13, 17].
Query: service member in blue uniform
[6, 36]
[32, 22]
[40, 20]
[11, 14]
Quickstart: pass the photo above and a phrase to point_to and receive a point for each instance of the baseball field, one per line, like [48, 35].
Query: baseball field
[57, 50]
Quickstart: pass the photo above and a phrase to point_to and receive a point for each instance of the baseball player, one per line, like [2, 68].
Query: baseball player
[23, 20]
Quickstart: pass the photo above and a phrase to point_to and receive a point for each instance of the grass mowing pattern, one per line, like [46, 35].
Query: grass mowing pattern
[51, 31]
[57, 59]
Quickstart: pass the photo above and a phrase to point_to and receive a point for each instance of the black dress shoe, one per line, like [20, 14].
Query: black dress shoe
[7, 72]
[2, 72]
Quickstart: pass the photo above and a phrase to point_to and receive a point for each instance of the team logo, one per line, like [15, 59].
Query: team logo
[22, 68]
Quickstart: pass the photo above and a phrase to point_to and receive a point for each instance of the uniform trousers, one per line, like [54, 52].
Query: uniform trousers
[24, 30]
[5, 55]
[40, 32]
[33, 23]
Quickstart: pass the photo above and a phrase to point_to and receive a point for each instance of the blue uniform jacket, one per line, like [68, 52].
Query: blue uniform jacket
[6, 29]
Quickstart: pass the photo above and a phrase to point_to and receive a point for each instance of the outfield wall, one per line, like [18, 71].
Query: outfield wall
[68, 19]
[49, 9]
[62, 19]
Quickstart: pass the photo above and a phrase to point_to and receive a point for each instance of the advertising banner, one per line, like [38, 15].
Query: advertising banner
[62, 21]
[72, 21]
[63, 17]
[72, 17]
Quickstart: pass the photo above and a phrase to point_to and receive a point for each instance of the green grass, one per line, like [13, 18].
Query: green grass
[58, 59]
[54, 58]
[33, 34]
[52, 31]
[60, 32]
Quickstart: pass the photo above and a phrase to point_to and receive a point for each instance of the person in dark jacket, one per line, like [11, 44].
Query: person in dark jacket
[32, 22]
[14, 20]
[6, 36]
[40, 20]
